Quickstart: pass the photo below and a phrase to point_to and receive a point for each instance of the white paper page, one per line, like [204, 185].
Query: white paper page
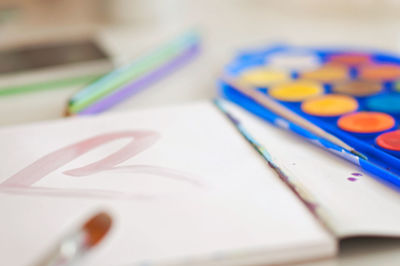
[360, 206]
[191, 190]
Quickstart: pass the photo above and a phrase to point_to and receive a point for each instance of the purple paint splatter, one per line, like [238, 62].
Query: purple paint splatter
[356, 174]
[352, 179]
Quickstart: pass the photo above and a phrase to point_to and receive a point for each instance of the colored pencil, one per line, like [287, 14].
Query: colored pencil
[286, 113]
[384, 175]
[49, 84]
[141, 64]
[129, 72]
[138, 84]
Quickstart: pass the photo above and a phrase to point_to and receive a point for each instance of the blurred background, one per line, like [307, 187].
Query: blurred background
[128, 28]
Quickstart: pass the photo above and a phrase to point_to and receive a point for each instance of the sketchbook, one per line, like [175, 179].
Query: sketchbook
[184, 188]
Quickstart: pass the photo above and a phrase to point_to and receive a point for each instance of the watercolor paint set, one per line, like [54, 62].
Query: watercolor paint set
[352, 95]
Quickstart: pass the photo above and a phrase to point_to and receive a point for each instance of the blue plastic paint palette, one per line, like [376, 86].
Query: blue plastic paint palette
[354, 95]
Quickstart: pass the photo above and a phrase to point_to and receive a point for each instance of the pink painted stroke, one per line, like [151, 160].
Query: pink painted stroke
[22, 181]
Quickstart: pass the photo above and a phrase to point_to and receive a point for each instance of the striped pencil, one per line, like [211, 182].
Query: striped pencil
[128, 73]
[140, 83]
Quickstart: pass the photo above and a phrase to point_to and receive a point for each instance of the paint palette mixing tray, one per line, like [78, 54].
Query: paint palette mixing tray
[353, 95]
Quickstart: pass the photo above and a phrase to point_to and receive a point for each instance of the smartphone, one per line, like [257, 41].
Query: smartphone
[53, 64]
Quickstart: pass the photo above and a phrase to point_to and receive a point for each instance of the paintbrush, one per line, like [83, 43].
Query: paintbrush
[382, 174]
[297, 188]
[286, 113]
[77, 243]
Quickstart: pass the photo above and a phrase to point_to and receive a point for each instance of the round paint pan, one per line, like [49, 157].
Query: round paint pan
[366, 124]
[379, 72]
[327, 74]
[390, 142]
[396, 86]
[349, 59]
[358, 88]
[294, 60]
[330, 105]
[296, 91]
[263, 77]
[386, 103]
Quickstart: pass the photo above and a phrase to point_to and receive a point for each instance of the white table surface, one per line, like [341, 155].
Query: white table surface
[227, 26]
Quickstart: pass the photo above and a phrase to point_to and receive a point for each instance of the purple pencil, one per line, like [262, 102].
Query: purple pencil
[145, 81]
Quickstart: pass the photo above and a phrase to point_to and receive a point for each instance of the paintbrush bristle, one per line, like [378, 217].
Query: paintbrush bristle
[96, 228]
[359, 154]
[67, 113]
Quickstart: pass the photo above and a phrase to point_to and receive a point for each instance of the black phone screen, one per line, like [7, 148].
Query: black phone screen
[43, 56]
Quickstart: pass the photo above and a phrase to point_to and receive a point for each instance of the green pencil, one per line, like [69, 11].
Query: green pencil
[127, 73]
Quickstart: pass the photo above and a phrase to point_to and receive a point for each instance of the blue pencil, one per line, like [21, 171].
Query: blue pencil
[382, 174]
[186, 40]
